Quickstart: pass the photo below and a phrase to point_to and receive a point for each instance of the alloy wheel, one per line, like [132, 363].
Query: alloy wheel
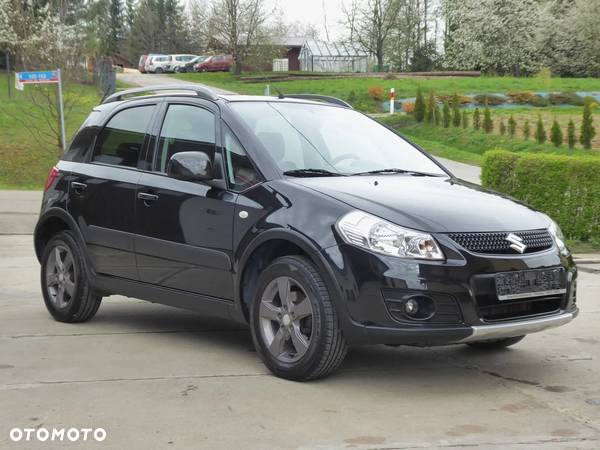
[60, 276]
[286, 319]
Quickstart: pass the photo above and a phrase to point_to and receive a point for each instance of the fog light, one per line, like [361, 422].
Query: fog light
[411, 307]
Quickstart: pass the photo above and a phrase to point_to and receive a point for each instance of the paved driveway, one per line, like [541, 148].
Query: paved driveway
[155, 377]
[148, 79]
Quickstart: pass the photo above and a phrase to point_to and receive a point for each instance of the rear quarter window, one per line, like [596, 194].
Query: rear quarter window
[120, 142]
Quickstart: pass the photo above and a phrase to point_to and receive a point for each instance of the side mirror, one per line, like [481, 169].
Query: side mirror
[190, 166]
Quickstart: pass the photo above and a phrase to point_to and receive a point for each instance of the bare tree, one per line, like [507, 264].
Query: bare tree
[239, 26]
[370, 23]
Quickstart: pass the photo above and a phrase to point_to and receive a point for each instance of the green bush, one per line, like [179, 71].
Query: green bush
[539, 101]
[488, 123]
[430, 108]
[540, 132]
[456, 119]
[488, 99]
[476, 119]
[556, 134]
[565, 98]
[446, 114]
[571, 134]
[512, 126]
[567, 188]
[419, 106]
[587, 125]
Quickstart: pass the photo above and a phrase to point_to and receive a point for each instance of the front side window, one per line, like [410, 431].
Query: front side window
[308, 136]
[186, 128]
[121, 140]
[241, 174]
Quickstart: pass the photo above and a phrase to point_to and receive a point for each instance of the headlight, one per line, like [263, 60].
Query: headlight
[558, 236]
[378, 235]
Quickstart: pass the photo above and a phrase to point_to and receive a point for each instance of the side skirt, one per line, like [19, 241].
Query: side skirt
[209, 306]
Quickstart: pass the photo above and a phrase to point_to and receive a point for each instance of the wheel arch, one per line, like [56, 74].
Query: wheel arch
[267, 247]
[51, 222]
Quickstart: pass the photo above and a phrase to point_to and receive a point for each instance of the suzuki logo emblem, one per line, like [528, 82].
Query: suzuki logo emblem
[516, 243]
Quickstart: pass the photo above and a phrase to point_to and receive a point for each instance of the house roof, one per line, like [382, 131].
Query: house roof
[334, 49]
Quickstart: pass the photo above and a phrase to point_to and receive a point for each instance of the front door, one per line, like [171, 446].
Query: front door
[184, 229]
[102, 191]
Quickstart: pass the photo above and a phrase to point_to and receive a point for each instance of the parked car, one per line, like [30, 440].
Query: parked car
[189, 66]
[217, 63]
[144, 59]
[158, 63]
[179, 61]
[314, 224]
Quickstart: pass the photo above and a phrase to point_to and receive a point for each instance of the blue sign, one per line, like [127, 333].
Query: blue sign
[47, 76]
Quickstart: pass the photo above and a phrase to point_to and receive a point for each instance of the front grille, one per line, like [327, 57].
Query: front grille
[526, 308]
[495, 243]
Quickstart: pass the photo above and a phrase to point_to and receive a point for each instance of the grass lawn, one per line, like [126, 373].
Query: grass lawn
[355, 89]
[468, 145]
[25, 160]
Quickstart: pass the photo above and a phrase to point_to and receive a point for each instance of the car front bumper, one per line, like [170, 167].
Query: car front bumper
[462, 287]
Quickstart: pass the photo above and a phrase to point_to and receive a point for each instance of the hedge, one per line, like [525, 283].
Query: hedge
[567, 188]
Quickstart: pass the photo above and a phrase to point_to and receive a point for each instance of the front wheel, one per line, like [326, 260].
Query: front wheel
[496, 344]
[65, 286]
[294, 324]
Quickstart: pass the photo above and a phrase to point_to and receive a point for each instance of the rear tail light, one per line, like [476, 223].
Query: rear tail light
[51, 177]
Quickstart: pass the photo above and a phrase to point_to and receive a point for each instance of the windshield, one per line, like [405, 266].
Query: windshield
[304, 136]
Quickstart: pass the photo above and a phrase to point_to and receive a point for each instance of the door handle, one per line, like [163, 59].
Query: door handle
[148, 198]
[78, 187]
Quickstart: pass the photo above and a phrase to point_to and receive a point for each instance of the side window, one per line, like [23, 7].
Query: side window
[121, 140]
[186, 128]
[241, 174]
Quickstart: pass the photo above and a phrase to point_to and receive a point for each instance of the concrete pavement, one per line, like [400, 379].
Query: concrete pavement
[149, 79]
[155, 377]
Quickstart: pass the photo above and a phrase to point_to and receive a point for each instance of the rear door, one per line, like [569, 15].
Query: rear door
[184, 229]
[102, 190]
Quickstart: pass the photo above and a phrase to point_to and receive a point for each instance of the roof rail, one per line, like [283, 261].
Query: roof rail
[323, 98]
[201, 91]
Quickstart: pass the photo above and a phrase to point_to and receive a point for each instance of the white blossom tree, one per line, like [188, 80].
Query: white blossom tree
[494, 35]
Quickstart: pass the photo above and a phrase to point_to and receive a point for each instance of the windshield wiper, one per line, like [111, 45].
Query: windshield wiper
[394, 171]
[312, 173]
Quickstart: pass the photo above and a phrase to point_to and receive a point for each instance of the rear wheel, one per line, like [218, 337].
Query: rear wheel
[65, 285]
[496, 344]
[159, 70]
[294, 323]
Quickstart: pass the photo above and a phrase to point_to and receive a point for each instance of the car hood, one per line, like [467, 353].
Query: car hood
[433, 204]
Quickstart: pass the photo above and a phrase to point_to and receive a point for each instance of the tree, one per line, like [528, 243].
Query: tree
[370, 23]
[431, 107]
[556, 134]
[239, 25]
[488, 124]
[419, 106]
[115, 30]
[476, 119]
[495, 36]
[587, 125]
[526, 130]
[502, 128]
[446, 114]
[8, 35]
[512, 126]
[571, 134]
[438, 116]
[540, 132]
[455, 111]
[465, 119]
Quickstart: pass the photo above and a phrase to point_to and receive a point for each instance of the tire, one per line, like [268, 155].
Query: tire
[78, 302]
[293, 342]
[158, 70]
[496, 344]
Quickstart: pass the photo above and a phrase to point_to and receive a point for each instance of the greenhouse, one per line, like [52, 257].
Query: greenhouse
[320, 56]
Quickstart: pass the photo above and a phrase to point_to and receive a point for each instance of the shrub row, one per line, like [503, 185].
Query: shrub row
[567, 188]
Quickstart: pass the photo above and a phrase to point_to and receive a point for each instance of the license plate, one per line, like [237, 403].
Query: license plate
[530, 283]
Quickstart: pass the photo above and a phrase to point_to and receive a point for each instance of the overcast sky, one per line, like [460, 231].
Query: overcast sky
[311, 11]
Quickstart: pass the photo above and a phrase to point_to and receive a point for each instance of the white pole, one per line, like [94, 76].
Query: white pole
[61, 110]
[392, 100]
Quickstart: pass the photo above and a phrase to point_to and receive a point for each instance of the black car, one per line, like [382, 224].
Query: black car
[189, 66]
[311, 222]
